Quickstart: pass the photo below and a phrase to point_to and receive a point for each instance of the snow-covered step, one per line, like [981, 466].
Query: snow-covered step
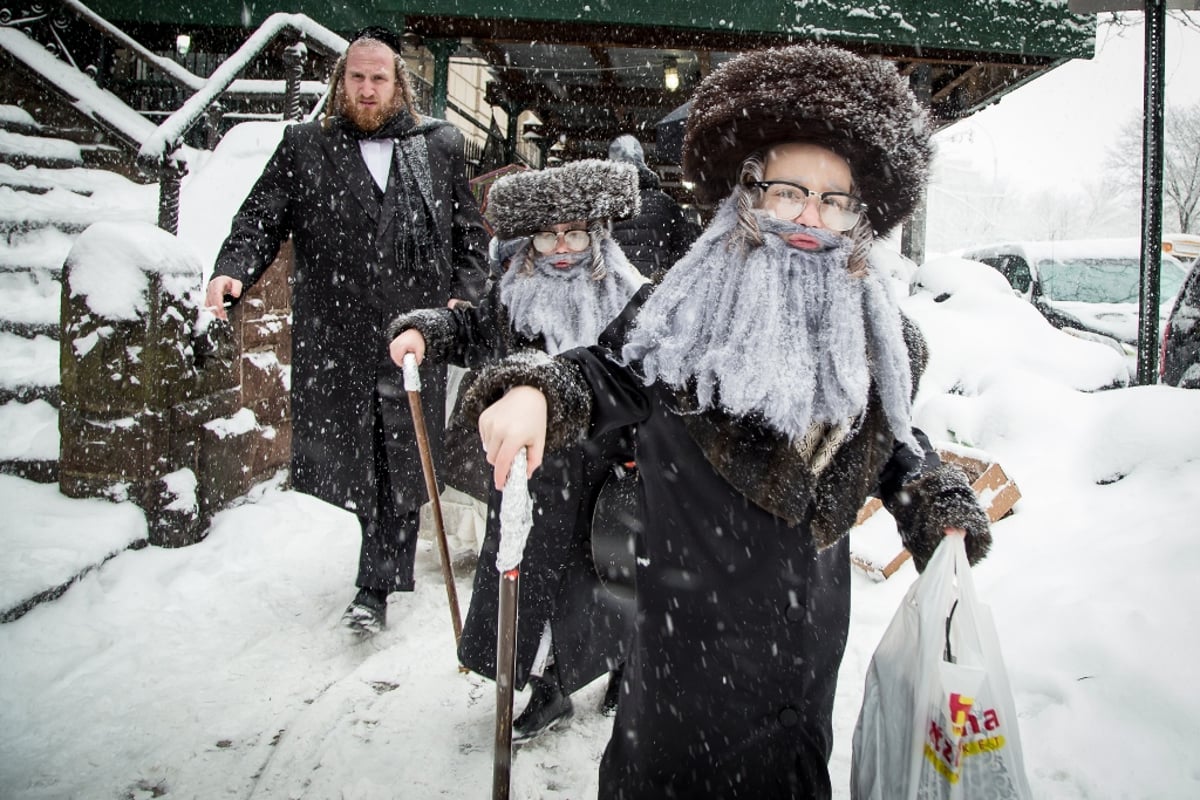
[20, 150]
[69, 212]
[30, 303]
[44, 250]
[45, 552]
[29, 442]
[18, 120]
[80, 180]
[28, 368]
[27, 180]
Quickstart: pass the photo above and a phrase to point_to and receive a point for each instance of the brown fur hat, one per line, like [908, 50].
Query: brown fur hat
[522, 203]
[860, 108]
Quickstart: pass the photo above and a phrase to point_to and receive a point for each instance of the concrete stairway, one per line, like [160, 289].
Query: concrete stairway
[49, 194]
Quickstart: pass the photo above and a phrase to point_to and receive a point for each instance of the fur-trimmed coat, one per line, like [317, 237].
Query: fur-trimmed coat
[590, 630]
[743, 585]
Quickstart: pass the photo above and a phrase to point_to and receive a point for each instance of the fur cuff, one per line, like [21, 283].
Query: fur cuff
[568, 398]
[946, 501]
[435, 324]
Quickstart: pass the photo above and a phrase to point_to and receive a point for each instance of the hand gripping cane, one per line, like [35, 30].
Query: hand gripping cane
[516, 518]
[412, 385]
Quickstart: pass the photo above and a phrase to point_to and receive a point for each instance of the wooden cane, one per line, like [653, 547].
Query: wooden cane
[516, 518]
[506, 671]
[412, 385]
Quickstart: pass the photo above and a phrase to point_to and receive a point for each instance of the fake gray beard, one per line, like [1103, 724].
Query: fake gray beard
[776, 331]
[567, 306]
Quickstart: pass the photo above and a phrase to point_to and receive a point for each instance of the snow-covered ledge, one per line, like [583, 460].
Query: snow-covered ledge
[152, 404]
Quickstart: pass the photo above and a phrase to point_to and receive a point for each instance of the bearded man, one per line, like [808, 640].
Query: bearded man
[564, 283]
[376, 200]
[770, 379]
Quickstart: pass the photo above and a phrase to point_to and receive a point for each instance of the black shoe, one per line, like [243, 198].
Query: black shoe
[367, 613]
[548, 707]
[612, 693]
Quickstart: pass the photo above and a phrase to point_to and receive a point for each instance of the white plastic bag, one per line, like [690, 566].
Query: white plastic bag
[938, 720]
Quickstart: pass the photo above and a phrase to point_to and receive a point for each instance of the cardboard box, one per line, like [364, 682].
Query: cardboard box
[997, 494]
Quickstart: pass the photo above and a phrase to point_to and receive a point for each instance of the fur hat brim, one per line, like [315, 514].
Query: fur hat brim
[860, 108]
[523, 203]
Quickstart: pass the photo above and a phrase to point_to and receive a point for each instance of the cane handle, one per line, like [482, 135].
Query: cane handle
[412, 376]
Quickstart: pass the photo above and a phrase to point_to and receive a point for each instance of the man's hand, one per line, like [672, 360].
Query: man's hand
[218, 288]
[514, 421]
[409, 341]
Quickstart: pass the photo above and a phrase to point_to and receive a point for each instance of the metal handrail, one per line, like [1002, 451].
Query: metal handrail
[165, 143]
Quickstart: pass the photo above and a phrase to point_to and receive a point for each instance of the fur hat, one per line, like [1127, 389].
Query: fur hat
[860, 108]
[526, 202]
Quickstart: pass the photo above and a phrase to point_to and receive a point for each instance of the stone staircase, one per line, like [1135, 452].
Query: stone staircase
[52, 187]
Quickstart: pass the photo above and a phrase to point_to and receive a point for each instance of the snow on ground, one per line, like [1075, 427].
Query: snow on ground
[49, 538]
[218, 670]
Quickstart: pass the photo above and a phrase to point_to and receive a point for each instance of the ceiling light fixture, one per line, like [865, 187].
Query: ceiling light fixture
[670, 73]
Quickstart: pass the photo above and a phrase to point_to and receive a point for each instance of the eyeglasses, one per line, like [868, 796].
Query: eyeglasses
[547, 241]
[786, 200]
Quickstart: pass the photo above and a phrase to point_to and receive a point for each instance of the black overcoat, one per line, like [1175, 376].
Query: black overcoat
[660, 234]
[559, 584]
[349, 283]
[742, 617]
[742, 612]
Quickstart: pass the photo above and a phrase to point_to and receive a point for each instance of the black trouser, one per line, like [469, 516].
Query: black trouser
[389, 534]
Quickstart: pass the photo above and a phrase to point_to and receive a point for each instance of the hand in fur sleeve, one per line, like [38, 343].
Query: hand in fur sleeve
[436, 325]
[568, 399]
[935, 501]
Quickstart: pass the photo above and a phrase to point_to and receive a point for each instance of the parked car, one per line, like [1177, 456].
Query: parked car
[1179, 359]
[1088, 287]
[1183, 246]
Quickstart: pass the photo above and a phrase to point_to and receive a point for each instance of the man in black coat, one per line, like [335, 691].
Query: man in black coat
[661, 232]
[376, 201]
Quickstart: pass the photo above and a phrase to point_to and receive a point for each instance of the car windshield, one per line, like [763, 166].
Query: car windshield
[1103, 280]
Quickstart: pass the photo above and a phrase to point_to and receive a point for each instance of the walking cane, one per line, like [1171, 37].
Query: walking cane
[412, 385]
[516, 518]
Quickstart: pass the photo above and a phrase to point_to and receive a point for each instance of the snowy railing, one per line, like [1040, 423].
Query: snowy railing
[165, 141]
[160, 149]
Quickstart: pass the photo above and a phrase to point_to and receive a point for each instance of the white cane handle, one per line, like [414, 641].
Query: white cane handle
[516, 514]
[412, 376]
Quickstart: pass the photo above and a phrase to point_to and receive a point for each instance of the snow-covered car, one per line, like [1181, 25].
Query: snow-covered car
[1183, 246]
[1179, 362]
[1087, 287]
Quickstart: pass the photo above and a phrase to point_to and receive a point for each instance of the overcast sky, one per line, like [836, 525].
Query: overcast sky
[1062, 124]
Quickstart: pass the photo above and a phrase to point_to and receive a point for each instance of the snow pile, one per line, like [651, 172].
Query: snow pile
[110, 264]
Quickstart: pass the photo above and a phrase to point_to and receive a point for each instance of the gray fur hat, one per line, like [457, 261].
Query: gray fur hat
[523, 203]
[860, 108]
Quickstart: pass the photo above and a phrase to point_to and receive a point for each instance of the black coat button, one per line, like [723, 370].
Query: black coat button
[794, 613]
[788, 717]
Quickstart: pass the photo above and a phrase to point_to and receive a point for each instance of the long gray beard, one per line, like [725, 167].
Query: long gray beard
[776, 331]
[568, 308]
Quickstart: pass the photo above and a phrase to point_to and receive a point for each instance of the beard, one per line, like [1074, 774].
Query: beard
[776, 332]
[369, 119]
[568, 307]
